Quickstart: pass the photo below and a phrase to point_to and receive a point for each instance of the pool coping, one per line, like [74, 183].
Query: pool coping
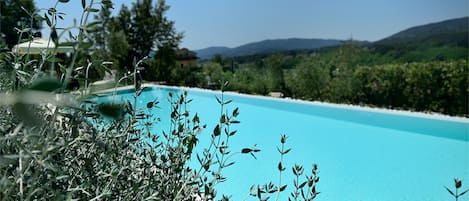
[432, 115]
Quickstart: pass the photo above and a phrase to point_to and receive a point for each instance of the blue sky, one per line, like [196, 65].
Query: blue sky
[236, 22]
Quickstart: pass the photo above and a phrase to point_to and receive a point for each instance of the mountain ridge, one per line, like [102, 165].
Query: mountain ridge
[449, 32]
[455, 26]
[267, 46]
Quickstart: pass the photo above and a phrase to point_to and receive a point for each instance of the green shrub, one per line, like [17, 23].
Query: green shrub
[56, 145]
[440, 86]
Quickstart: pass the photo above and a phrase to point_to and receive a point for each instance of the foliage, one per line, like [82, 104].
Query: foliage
[161, 65]
[185, 76]
[70, 157]
[457, 186]
[249, 79]
[431, 86]
[262, 192]
[274, 71]
[355, 74]
[142, 29]
[57, 146]
[308, 80]
[16, 15]
[213, 73]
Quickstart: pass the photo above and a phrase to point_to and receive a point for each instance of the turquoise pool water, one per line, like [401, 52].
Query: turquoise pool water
[362, 154]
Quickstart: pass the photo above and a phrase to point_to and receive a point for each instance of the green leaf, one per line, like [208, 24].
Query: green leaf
[83, 4]
[232, 133]
[196, 118]
[462, 193]
[216, 130]
[457, 183]
[49, 23]
[149, 104]
[63, 69]
[229, 164]
[302, 184]
[92, 10]
[236, 112]
[111, 110]
[218, 100]
[47, 84]
[222, 119]
[53, 35]
[283, 139]
[280, 167]
[283, 188]
[246, 150]
[64, 1]
[298, 170]
[54, 59]
[51, 11]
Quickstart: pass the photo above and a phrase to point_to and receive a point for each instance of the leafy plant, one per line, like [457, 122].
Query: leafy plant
[457, 186]
[59, 146]
[305, 190]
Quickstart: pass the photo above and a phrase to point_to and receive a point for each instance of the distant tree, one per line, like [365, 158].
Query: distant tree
[13, 14]
[249, 79]
[309, 80]
[118, 39]
[100, 38]
[213, 73]
[274, 70]
[159, 67]
[341, 64]
[217, 58]
[348, 54]
[147, 29]
[101, 35]
[118, 47]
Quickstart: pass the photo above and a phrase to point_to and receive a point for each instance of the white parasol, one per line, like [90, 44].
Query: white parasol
[38, 45]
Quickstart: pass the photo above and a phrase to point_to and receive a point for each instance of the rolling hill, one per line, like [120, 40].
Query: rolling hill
[449, 32]
[434, 41]
[267, 46]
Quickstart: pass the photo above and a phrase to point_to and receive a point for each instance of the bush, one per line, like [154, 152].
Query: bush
[424, 86]
[56, 145]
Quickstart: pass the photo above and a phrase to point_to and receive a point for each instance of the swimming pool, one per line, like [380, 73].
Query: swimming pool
[362, 154]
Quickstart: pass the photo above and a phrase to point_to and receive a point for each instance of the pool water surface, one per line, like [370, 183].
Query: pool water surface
[362, 154]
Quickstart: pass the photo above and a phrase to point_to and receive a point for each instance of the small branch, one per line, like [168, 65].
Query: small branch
[21, 174]
[280, 173]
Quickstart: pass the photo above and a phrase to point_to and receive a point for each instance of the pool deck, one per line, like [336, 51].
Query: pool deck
[428, 115]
